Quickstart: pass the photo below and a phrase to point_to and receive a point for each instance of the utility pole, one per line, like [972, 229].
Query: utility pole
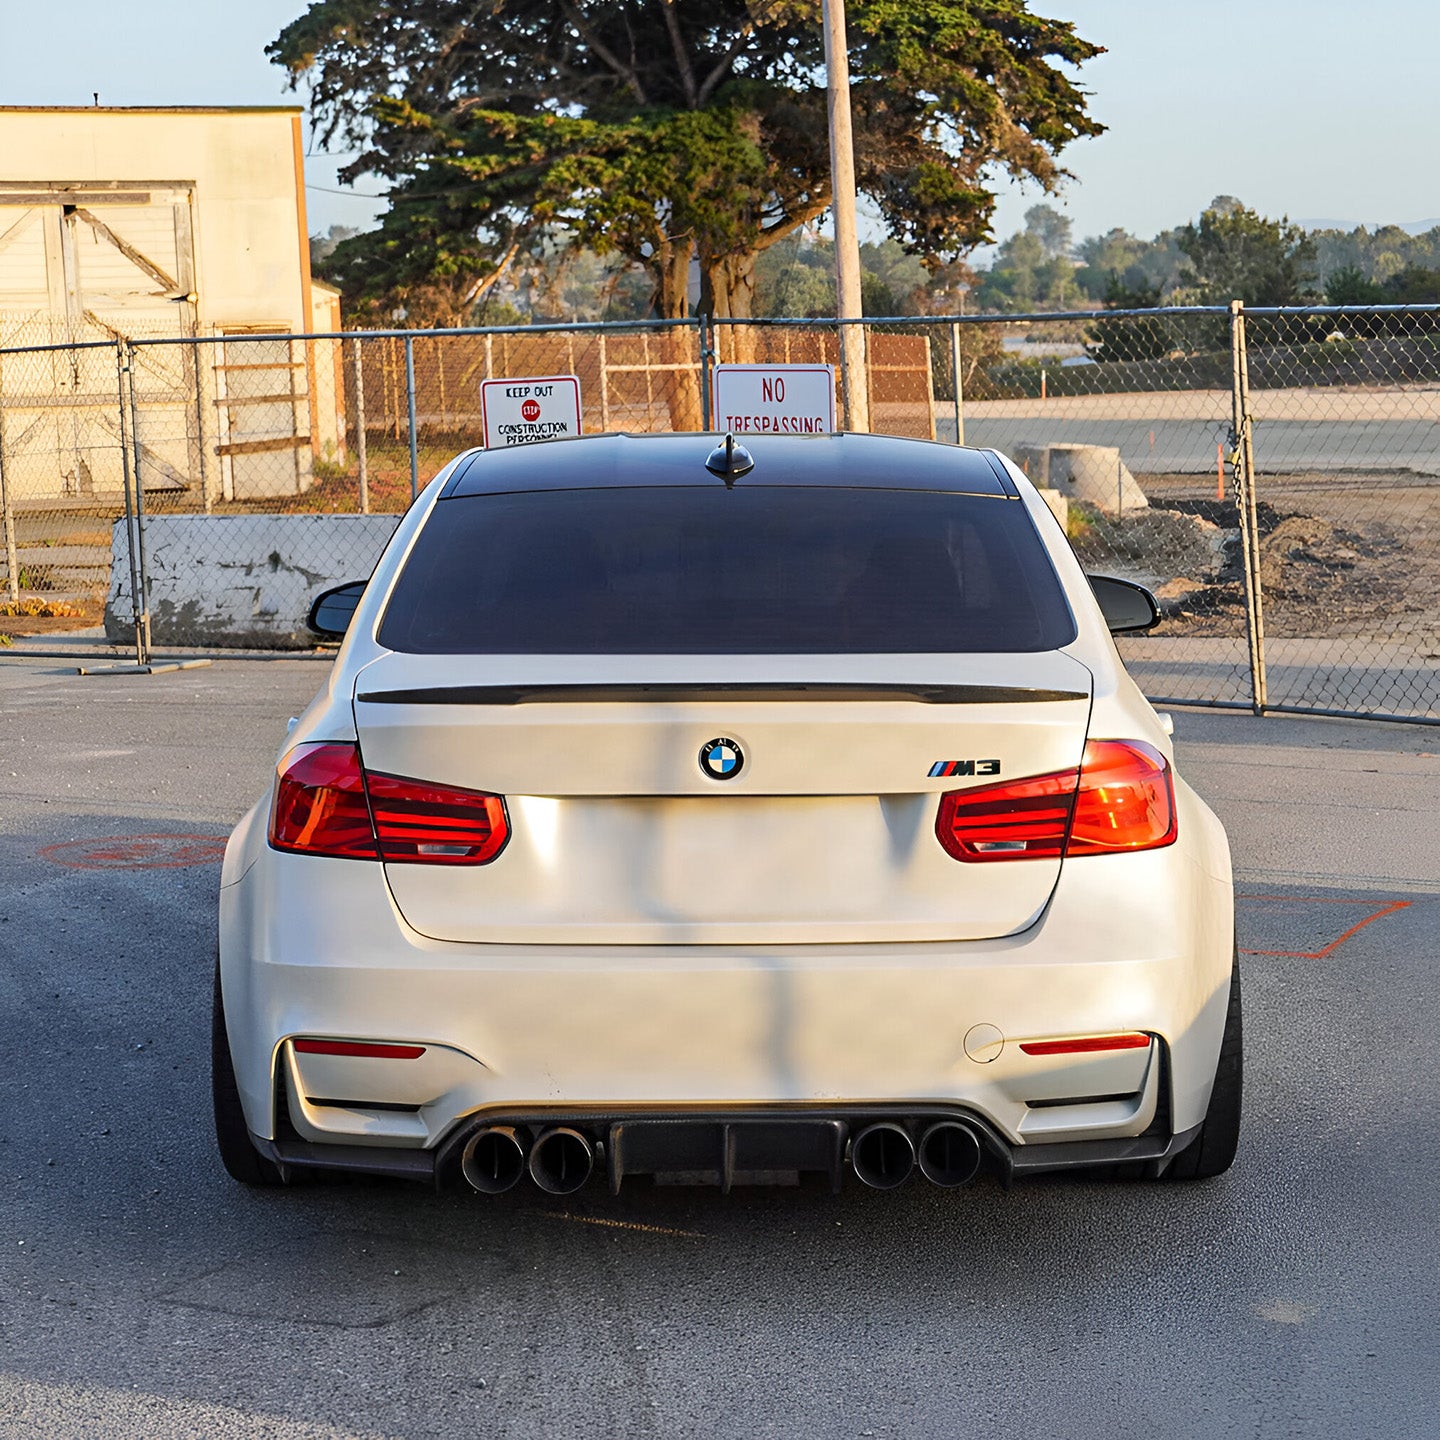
[847, 243]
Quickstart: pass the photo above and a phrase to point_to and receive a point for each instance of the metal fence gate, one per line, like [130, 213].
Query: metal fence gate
[1273, 475]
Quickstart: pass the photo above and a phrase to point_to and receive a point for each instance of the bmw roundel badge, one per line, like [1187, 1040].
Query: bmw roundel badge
[721, 759]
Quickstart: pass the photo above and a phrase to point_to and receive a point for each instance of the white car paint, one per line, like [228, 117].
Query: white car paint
[870, 969]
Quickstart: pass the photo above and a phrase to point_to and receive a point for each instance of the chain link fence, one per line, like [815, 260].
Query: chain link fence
[1273, 475]
[1126, 421]
[1344, 411]
[61, 480]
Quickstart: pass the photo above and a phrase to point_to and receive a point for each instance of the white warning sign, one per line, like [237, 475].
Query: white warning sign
[774, 399]
[519, 412]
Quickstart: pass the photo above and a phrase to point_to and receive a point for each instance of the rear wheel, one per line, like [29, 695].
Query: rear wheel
[1211, 1152]
[237, 1151]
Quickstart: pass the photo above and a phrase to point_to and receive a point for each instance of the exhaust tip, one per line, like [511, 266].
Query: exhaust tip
[950, 1154]
[561, 1160]
[883, 1155]
[493, 1160]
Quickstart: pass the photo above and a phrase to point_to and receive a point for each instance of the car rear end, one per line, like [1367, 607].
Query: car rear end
[658, 825]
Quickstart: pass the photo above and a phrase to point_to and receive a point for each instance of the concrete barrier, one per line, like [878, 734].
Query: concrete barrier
[1092, 474]
[240, 580]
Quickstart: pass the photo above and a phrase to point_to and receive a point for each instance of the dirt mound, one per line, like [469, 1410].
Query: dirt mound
[1319, 577]
[1300, 540]
[1152, 546]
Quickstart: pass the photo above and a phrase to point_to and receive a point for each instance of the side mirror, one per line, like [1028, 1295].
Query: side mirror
[333, 610]
[1125, 605]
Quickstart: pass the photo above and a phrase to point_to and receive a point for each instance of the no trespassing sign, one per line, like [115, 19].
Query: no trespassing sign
[774, 399]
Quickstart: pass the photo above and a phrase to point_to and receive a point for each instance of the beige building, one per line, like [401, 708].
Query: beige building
[147, 223]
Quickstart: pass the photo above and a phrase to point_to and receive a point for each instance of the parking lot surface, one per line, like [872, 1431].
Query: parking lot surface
[144, 1294]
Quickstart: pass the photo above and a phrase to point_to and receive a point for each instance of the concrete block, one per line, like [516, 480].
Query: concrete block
[240, 580]
[1059, 506]
[1093, 474]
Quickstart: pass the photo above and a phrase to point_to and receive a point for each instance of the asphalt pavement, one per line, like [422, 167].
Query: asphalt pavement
[144, 1294]
[1178, 447]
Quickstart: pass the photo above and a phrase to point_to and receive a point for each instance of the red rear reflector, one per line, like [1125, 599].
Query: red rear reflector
[1122, 798]
[326, 804]
[319, 804]
[1086, 1045]
[360, 1048]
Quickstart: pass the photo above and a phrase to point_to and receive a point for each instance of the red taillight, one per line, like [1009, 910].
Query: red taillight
[319, 805]
[424, 824]
[1087, 1044]
[326, 804]
[1019, 820]
[1122, 798]
[1126, 799]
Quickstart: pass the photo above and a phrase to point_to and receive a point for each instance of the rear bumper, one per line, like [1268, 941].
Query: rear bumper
[726, 1148]
[313, 947]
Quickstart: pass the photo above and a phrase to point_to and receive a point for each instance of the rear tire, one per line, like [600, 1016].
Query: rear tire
[1212, 1151]
[237, 1151]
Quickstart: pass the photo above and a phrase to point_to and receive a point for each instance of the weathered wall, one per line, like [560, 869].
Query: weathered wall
[252, 259]
[245, 580]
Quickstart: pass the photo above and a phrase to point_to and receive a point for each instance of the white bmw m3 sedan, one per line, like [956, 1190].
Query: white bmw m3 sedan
[729, 816]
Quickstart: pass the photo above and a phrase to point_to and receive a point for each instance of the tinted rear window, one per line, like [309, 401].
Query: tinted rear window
[709, 571]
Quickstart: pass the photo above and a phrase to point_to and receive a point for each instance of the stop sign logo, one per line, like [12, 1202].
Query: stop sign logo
[530, 411]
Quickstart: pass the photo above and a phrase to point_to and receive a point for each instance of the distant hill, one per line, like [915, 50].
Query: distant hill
[1410, 227]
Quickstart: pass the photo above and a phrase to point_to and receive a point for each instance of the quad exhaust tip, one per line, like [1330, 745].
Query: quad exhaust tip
[883, 1155]
[949, 1154]
[493, 1160]
[561, 1160]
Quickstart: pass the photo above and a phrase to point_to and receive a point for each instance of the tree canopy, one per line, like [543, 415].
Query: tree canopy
[1238, 254]
[661, 130]
[1032, 269]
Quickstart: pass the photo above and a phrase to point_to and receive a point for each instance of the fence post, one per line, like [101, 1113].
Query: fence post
[12, 559]
[123, 395]
[201, 452]
[362, 457]
[959, 384]
[705, 358]
[410, 411]
[132, 355]
[1243, 460]
[604, 381]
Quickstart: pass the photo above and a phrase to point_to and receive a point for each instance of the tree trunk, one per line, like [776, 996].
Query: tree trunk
[727, 292]
[672, 270]
[678, 344]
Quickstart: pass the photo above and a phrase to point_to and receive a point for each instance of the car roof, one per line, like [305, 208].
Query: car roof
[850, 461]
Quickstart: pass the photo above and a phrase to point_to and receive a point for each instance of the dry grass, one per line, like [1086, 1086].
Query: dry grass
[32, 608]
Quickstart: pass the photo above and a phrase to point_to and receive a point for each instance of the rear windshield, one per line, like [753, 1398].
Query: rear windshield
[708, 571]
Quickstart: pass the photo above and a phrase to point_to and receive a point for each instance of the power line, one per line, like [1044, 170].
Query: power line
[356, 194]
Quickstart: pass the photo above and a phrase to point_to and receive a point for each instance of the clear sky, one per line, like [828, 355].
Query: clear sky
[1319, 109]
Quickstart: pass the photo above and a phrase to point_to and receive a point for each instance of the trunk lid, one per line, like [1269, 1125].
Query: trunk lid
[824, 835]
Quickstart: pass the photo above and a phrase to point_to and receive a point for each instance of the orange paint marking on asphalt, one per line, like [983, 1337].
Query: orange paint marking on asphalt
[1335, 944]
[137, 852]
